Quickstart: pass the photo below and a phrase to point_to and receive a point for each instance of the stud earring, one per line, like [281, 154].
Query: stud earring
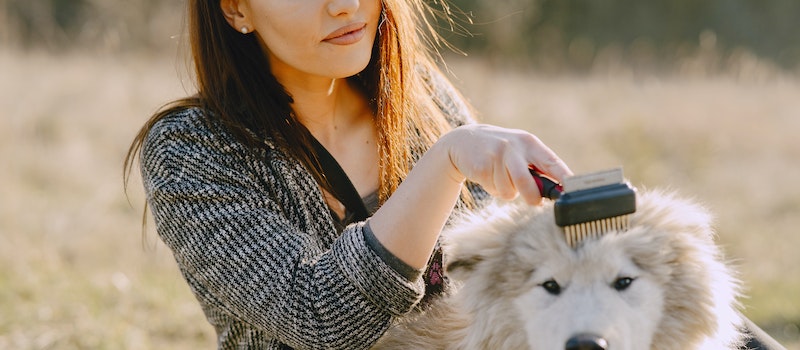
[244, 30]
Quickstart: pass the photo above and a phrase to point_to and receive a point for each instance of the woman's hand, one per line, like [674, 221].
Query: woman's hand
[498, 159]
[410, 221]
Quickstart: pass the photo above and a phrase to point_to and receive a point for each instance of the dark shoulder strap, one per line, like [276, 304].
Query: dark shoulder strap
[344, 190]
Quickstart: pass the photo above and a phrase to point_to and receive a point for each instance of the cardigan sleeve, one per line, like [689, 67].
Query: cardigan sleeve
[242, 254]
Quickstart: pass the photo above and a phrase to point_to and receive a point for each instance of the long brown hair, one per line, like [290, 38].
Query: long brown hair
[229, 65]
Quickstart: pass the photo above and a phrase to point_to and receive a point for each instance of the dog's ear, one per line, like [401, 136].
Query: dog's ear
[463, 265]
[479, 238]
[468, 247]
[673, 214]
[475, 246]
[472, 247]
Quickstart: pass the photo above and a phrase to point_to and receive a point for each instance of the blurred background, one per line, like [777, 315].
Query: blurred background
[701, 97]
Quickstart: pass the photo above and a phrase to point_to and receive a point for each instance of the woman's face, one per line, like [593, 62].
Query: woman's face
[326, 38]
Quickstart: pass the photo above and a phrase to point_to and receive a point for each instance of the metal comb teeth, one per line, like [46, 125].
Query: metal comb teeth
[594, 204]
[594, 229]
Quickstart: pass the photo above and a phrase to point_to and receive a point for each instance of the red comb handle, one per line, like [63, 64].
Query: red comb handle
[547, 186]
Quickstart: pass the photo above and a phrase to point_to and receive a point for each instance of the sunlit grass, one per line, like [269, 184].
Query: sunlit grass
[74, 272]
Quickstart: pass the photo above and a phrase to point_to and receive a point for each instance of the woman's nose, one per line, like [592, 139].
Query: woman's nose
[342, 7]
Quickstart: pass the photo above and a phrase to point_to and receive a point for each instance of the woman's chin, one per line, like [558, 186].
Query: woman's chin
[348, 68]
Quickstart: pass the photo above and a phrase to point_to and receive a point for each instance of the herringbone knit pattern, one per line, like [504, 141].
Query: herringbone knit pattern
[256, 243]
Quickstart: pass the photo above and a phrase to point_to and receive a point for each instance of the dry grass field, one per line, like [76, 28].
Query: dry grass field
[75, 272]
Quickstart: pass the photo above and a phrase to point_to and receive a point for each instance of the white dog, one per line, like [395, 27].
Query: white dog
[661, 284]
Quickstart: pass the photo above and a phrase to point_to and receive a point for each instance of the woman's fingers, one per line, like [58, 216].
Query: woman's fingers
[503, 184]
[547, 161]
[498, 159]
[524, 182]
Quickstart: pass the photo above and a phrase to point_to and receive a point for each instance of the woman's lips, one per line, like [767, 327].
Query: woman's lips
[349, 34]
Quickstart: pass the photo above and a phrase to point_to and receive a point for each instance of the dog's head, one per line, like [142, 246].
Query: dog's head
[661, 284]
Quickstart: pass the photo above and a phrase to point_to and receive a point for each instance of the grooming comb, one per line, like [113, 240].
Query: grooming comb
[591, 205]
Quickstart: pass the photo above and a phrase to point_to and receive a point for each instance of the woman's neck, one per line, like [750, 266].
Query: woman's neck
[338, 115]
[329, 109]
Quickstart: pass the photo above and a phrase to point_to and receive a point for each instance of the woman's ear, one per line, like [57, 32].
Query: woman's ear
[234, 13]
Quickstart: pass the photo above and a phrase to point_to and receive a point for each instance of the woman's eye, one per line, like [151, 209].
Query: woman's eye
[552, 287]
[622, 283]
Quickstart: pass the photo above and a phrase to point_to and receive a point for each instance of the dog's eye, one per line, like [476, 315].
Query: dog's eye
[622, 283]
[552, 287]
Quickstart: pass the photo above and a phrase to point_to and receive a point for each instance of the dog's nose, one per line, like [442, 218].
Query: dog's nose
[585, 341]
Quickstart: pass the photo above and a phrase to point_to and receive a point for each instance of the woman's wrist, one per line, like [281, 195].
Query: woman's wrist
[445, 146]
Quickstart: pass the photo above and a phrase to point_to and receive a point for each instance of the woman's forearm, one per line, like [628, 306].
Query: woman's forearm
[408, 224]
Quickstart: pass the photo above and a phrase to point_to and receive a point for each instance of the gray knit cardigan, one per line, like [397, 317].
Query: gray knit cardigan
[256, 242]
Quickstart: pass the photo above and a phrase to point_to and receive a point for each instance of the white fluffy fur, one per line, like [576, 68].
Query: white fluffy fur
[683, 295]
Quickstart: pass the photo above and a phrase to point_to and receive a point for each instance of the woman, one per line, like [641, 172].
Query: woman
[236, 186]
